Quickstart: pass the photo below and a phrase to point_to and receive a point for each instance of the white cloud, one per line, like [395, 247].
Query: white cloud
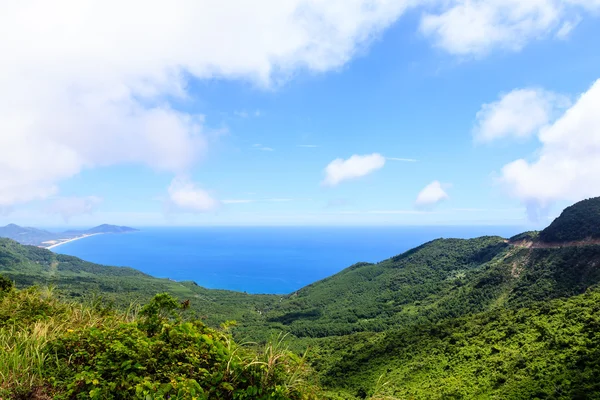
[567, 166]
[340, 170]
[431, 195]
[187, 196]
[567, 27]
[591, 5]
[309, 146]
[520, 114]
[89, 83]
[69, 207]
[475, 27]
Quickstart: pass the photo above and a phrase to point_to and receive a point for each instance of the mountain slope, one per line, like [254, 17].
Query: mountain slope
[26, 235]
[550, 350]
[443, 279]
[405, 289]
[578, 222]
[75, 278]
[448, 278]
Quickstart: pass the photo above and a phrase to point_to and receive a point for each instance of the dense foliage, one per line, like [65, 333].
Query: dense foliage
[67, 350]
[405, 289]
[580, 221]
[550, 350]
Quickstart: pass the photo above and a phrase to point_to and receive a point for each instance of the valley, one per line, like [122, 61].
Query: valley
[485, 317]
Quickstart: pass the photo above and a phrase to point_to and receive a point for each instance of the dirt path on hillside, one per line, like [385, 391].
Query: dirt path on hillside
[528, 244]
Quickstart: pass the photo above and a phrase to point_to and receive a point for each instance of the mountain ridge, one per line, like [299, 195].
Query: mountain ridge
[44, 238]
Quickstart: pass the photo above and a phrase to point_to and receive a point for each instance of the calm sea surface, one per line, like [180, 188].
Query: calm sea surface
[259, 260]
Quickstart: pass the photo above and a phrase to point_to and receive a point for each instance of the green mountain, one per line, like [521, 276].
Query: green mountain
[78, 279]
[40, 237]
[104, 228]
[26, 235]
[548, 350]
[480, 318]
[579, 222]
[446, 278]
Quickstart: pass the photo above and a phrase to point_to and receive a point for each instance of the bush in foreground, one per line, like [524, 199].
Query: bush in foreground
[71, 351]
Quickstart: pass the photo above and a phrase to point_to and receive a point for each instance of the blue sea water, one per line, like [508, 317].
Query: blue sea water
[259, 259]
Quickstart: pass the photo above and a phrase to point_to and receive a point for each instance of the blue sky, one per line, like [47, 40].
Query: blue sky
[425, 118]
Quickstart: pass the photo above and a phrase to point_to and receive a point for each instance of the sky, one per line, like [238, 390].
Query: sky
[298, 112]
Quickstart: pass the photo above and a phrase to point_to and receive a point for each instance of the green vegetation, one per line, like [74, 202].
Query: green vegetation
[479, 318]
[547, 351]
[74, 278]
[446, 278]
[529, 236]
[65, 350]
[580, 221]
[423, 284]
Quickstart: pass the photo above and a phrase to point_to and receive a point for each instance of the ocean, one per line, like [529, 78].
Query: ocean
[275, 260]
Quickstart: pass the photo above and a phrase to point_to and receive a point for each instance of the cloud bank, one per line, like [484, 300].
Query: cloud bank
[90, 84]
[476, 27]
[519, 114]
[567, 165]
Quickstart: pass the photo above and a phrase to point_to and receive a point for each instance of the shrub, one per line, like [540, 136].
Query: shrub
[160, 355]
[5, 284]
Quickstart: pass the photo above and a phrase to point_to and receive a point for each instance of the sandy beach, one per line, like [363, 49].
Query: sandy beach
[70, 240]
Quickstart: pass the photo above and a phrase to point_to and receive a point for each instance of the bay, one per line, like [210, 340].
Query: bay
[259, 259]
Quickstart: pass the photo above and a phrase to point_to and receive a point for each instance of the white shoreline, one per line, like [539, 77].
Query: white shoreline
[73, 239]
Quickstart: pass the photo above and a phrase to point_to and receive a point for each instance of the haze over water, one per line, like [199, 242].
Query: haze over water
[259, 259]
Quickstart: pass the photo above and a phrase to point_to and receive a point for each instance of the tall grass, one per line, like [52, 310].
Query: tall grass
[275, 358]
[22, 357]
[29, 319]
[34, 320]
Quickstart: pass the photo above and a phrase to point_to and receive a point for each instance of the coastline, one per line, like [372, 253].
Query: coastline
[71, 240]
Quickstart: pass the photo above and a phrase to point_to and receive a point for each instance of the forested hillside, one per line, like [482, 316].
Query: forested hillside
[481, 318]
[549, 350]
[580, 221]
[121, 286]
[446, 278]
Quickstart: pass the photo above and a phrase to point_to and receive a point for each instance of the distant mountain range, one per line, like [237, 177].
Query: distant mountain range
[43, 238]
